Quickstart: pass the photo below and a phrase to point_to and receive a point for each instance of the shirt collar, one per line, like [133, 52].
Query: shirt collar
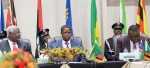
[11, 42]
[65, 41]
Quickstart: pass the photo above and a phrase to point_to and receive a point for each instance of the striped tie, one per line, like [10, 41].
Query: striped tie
[66, 43]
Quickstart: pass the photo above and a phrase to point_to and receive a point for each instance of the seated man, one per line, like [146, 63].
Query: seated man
[44, 36]
[66, 41]
[14, 41]
[134, 42]
[111, 43]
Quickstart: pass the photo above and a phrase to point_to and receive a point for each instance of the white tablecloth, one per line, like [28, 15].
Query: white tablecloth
[138, 64]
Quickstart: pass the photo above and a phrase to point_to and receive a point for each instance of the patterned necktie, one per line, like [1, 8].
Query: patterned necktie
[14, 46]
[66, 43]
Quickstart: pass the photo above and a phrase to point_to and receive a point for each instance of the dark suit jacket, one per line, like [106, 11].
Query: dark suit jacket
[42, 43]
[57, 42]
[124, 43]
[22, 44]
[110, 56]
[40, 46]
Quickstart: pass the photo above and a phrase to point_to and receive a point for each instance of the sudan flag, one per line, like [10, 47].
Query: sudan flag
[39, 25]
[142, 17]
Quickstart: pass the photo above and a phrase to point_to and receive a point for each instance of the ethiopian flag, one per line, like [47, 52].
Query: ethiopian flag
[142, 17]
[95, 32]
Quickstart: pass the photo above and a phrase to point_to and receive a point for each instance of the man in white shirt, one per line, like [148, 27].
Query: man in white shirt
[14, 42]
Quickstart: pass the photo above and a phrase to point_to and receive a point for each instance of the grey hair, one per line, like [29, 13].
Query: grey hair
[11, 29]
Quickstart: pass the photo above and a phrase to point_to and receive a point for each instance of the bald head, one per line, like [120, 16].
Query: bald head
[11, 29]
[13, 33]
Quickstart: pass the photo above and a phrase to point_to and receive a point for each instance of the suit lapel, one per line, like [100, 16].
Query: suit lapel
[60, 43]
[19, 43]
[111, 43]
[7, 46]
[142, 43]
[72, 42]
[127, 44]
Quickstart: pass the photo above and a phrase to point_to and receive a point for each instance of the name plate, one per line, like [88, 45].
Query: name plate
[129, 56]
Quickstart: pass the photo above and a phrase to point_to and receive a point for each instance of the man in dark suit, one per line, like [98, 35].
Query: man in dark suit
[13, 41]
[66, 41]
[110, 43]
[133, 41]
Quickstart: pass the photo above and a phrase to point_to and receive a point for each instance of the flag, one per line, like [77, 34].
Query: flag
[39, 26]
[123, 18]
[14, 21]
[142, 17]
[8, 19]
[11, 15]
[95, 32]
[1, 17]
[39, 16]
[68, 14]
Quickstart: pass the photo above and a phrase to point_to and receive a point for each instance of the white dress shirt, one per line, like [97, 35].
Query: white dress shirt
[137, 46]
[12, 45]
[64, 44]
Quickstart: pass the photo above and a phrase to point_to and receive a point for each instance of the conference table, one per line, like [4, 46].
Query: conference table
[109, 64]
